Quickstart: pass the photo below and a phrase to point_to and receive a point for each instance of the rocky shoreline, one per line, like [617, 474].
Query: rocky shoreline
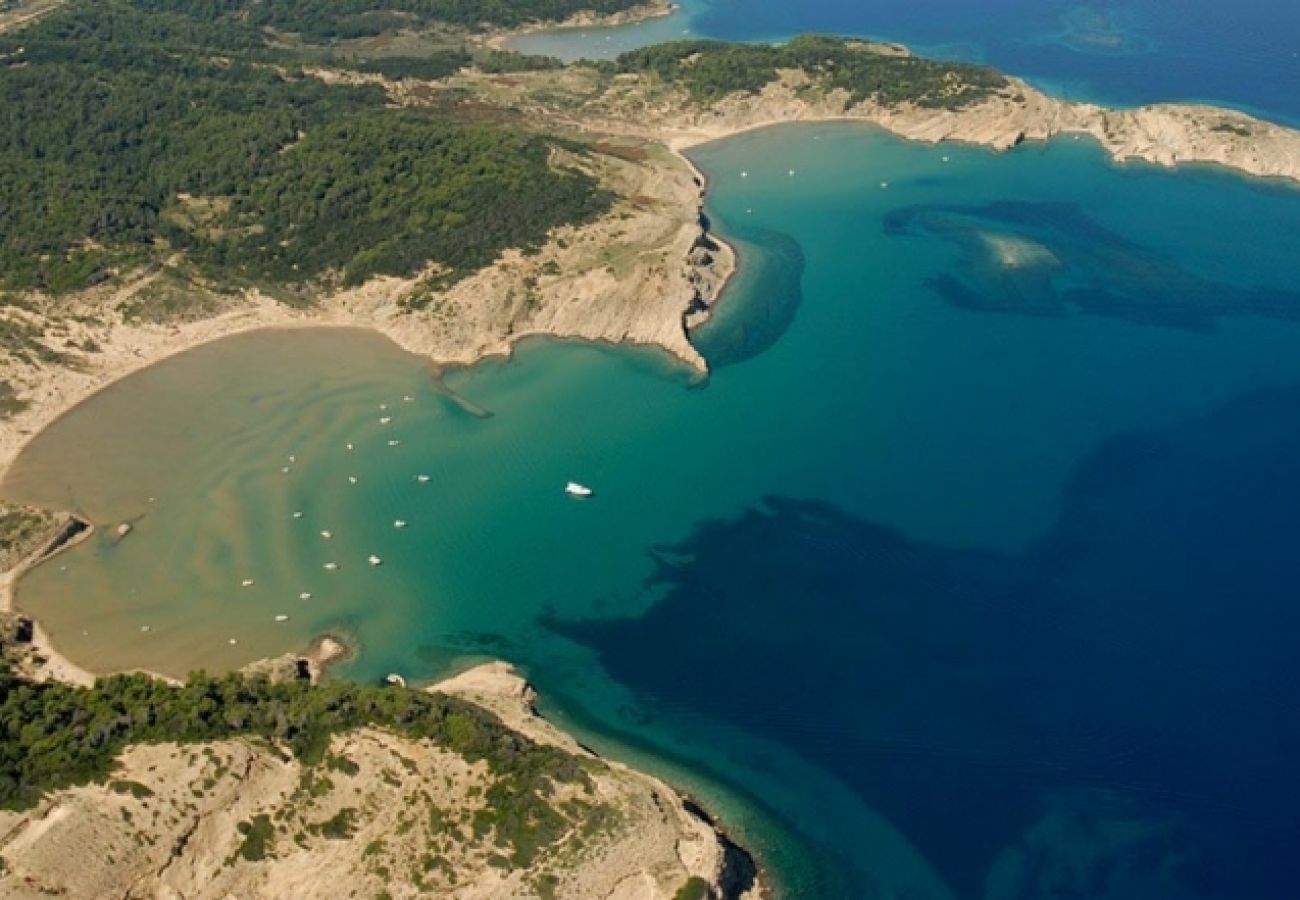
[381, 812]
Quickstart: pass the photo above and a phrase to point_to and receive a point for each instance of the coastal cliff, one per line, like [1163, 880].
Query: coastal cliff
[383, 813]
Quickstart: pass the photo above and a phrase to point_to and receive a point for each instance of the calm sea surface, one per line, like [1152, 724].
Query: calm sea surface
[1125, 52]
[970, 572]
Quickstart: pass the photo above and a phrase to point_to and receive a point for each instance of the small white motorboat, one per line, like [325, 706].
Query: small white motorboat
[331, 566]
[247, 582]
[394, 442]
[573, 489]
[399, 523]
[297, 514]
[384, 420]
[305, 595]
[423, 479]
[352, 479]
[282, 618]
[327, 534]
[232, 642]
[350, 448]
[374, 560]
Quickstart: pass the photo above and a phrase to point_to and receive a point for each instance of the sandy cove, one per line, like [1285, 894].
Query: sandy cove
[1165, 134]
[640, 274]
[629, 277]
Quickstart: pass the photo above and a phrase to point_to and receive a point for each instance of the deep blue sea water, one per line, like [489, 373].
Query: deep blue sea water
[1123, 52]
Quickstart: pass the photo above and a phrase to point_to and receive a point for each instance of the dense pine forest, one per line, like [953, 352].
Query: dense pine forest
[130, 128]
[710, 70]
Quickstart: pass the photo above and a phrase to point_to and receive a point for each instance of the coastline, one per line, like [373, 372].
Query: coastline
[359, 315]
[499, 688]
[1167, 135]
[645, 12]
[655, 306]
[628, 834]
[53, 664]
[642, 305]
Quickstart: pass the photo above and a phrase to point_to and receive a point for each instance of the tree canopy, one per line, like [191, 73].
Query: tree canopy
[710, 70]
[130, 128]
[326, 19]
[54, 736]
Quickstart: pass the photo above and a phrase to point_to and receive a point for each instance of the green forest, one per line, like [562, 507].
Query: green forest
[55, 736]
[132, 127]
[326, 19]
[710, 70]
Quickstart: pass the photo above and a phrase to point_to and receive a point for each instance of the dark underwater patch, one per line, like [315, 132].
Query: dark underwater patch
[1108, 714]
[760, 305]
[1074, 265]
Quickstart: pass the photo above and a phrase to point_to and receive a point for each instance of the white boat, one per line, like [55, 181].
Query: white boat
[350, 448]
[384, 420]
[573, 489]
[297, 515]
[327, 534]
[395, 680]
[282, 618]
[331, 566]
[305, 595]
[423, 479]
[352, 479]
[374, 560]
[247, 582]
[394, 442]
[399, 523]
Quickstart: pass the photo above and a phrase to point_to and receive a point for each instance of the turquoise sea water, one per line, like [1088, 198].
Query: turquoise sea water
[969, 572]
[1123, 52]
